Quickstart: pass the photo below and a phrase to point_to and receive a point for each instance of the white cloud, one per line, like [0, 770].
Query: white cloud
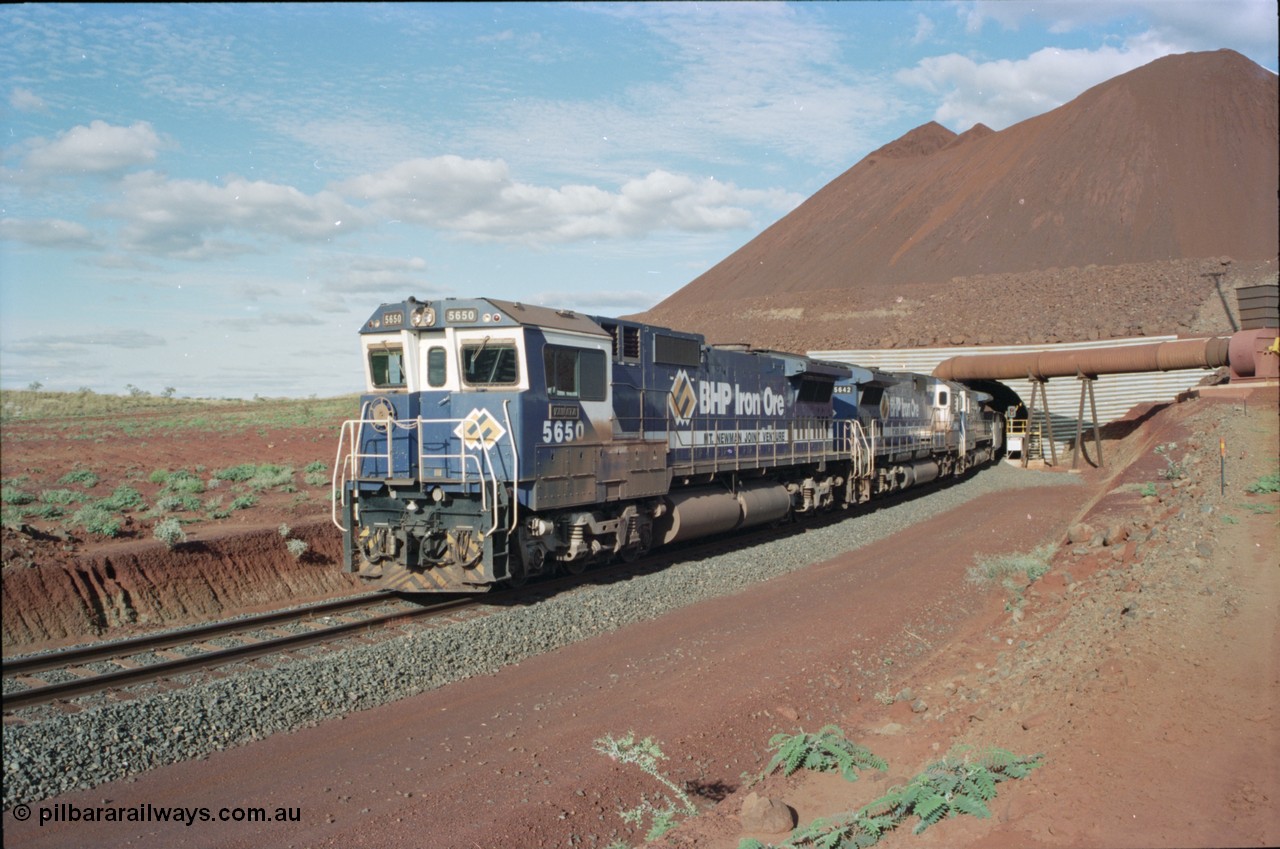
[181, 218]
[47, 233]
[1188, 24]
[726, 85]
[26, 100]
[99, 148]
[477, 199]
[371, 275]
[600, 301]
[1003, 92]
[924, 29]
[119, 339]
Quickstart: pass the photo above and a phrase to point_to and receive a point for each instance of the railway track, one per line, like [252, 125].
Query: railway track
[189, 649]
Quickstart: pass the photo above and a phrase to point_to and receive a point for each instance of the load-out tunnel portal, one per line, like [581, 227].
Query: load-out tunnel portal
[1250, 354]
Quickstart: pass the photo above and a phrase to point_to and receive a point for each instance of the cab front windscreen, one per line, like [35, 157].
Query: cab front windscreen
[490, 363]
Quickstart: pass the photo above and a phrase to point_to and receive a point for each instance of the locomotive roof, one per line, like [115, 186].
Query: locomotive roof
[468, 312]
[547, 317]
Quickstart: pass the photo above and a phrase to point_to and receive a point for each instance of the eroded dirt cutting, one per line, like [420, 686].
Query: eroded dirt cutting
[63, 585]
[131, 587]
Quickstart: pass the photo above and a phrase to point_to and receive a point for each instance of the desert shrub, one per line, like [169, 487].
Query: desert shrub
[170, 532]
[184, 482]
[269, 476]
[85, 477]
[177, 503]
[297, 547]
[15, 496]
[236, 474]
[243, 502]
[60, 496]
[124, 497]
[98, 520]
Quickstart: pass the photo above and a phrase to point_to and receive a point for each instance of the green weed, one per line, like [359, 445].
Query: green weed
[1266, 483]
[1033, 564]
[646, 754]
[951, 786]
[1173, 469]
[826, 751]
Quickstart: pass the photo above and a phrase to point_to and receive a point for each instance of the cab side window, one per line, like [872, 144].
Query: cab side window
[574, 373]
[436, 372]
[386, 367]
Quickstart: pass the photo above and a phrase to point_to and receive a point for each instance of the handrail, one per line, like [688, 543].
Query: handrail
[515, 467]
[349, 460]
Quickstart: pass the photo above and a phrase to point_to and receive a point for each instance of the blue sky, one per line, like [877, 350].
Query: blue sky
[214, 198]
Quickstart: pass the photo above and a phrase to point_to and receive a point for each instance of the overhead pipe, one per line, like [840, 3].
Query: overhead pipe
[1210, 353]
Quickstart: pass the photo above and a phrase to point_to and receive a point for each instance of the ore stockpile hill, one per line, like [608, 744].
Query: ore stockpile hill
[1095, 220]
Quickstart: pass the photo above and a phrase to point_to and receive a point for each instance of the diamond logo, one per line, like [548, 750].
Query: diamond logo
[480, 429]
[683, 399]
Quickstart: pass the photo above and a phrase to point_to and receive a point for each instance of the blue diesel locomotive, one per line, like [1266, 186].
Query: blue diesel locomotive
[498, 441]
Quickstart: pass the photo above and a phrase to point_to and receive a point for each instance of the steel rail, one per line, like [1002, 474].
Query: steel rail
[147, 642]
[248, 651]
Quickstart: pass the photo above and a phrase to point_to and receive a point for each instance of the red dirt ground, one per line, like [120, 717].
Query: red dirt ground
[1145, 671]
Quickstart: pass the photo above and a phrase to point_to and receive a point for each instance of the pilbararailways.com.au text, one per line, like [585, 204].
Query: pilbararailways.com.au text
[64, 812]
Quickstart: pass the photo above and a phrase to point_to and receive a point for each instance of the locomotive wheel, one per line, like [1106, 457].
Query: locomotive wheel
[517, 576]
[634, 552]
[575, 567]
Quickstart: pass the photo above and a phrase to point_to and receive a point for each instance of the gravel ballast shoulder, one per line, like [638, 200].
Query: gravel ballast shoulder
[48, 756]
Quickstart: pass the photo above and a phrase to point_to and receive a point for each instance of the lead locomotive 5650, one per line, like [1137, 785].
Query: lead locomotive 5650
[499, 440]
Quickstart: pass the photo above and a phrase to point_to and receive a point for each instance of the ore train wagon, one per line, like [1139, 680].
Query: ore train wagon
[497, 441]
